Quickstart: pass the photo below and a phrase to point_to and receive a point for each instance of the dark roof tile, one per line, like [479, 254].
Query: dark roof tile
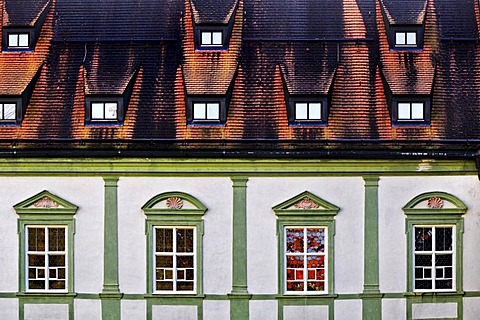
[23, 12]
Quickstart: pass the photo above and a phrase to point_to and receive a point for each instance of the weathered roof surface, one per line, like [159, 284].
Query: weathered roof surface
[405, 11]
[213, 11]
[22, 12]
[276, 48]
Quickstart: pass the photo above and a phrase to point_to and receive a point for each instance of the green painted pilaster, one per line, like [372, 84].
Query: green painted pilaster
[239, 297]
[111, 293]
[371, 297]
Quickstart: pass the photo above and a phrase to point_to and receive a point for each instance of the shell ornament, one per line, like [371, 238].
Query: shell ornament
[306, 203]
[175, 203]
[435, 203]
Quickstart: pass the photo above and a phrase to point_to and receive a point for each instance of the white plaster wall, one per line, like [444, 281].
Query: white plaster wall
[214, 193]
[174, 313]
[133, 309]
[263, 310]
[394, 193]
[265, 193]
[88, 309]
[434, 310]
[8, 308]
[305, 312]
[216, 310]
[87, 194]
[471, 308]
[394, 309]
[46, 311]
[348, 309]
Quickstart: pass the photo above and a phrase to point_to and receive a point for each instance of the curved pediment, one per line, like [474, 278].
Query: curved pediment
[435, 202]
[175, 202]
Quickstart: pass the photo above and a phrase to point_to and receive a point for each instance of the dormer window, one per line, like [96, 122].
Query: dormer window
[405, 39]
[211, 38]
[8, 111]
[308, 110]
[18, 40]
[411, 110]
[206, 110]
[104, 110]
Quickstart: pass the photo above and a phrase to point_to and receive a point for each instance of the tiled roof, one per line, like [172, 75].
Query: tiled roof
[22, 12]
[276, 48]
[405, 11]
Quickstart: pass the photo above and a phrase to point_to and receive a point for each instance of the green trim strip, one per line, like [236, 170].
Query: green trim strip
[371, 298]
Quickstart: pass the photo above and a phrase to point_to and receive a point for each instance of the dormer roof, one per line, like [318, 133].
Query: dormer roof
[213, 11]
[23, 13]
[405, 11]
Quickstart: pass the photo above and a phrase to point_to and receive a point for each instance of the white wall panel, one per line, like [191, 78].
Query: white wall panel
[46, 311]
[88, 309]
[174, 313]
[348, 310]
[263, 310]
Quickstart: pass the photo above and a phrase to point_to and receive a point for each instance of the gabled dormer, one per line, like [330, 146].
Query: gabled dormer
[404, 23]
[308, 75]
[15, 96]
[22, 23]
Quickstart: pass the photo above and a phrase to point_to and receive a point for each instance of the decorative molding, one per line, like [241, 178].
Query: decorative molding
[306, 204]
[174, 203]
[435, 203]
[46, 202]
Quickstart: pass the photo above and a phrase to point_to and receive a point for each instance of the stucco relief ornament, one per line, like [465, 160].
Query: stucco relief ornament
[306, 203]
[435, 203]
[46, 202]
[174, 203]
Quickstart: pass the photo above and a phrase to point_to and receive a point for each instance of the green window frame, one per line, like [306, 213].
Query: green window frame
[175, 211]
[47, 212]
[306, 211]
[427, 215]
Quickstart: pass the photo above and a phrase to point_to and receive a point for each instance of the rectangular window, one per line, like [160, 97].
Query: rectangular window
[434, 256]
[306, 259]
[308, 111]
[104, 111]
[8, 111]
[46, 258]
[411, 111]
[211, 38]
[18, 40]
[206, 111]
[174, 262]
[406, 39]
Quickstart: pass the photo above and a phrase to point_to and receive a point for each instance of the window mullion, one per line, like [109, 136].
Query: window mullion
[174, 251]
[47, 260]
[305, 259]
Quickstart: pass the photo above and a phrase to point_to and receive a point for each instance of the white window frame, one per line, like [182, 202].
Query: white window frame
[411, 105]
[433, 253]
[46, 253]
[174, 254]
[105, 105]
[406, 42]
[2, 111]
[211, 37]
[18, 35]
[309, 108]
[305, 254]
[207, 112]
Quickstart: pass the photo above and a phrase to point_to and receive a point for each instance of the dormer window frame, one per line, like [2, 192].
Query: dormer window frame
[397, 100]
[293, 100]
[104, 99]
[201, 29]
[418, 29]
[210, 99]
[8, 31]
[18, 110]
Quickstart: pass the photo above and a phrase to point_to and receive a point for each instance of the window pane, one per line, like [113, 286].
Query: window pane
[164, 239]
[9, 111]
[315, 111]
[423, 260]
[184, 240]
[57, 284]
[164, 262]
[315, 240]
[444, 284]
[57, 260]
[36, 260]
[217, 38]
[184, 286]
[423, 284]
[199, 111]
[294, 240]
[400, 38]
[206, 38]
[443, 239]
[184, 261]
[36, 284]
[213, 111]
[403, 110]
[23, 40]
[36, 239]
[165, 286]
[97, 110]
[417, 111]
[111, 110]
[301, 112]
[56, 239]
[423, 239]
[443, 260]
[13, 40]
[411, 38]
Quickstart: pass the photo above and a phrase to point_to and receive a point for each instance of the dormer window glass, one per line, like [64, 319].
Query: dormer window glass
[308, 111]
[18, 40]
[405, 39]
[8, 112]
[411, 111]
[104, 111]
[206, 111]
[211, 38]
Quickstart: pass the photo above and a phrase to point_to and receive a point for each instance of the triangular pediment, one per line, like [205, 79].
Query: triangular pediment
[45, 201]
[306, 203]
